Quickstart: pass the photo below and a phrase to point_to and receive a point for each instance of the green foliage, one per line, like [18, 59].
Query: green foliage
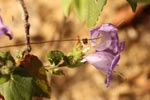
[133, 3]
[89, 10]
[6, 59]
[13, 79]
[81, 8]
[7, 63]
[36, 70]
[86, 10]
[24, 80]
[146, 1]
[66, 5]
[19, 55]
[17, 87]
[41, 89]
[94, 8]
[58, 59]
[55, 57]
[4, 78]
[73, 59]
[6, 56]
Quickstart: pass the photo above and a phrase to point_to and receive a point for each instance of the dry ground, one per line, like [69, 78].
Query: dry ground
[132, 78]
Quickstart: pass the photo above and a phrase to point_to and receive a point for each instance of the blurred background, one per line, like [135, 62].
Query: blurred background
[131, 78]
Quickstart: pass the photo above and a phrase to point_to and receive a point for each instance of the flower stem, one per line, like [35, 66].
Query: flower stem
[27, 26]
[55, 67]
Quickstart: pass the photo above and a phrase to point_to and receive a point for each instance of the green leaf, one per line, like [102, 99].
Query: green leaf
[66, 4]
[19, 55]
[7, 63]
[4, 57]
[7, 56]
[73, 59]
[146, 1]
[132, 4]
[17, 88]
[33, 65]
[41, 89]
[55, 57]
[81, 8]
[94, 10]
[36, 70]
[21, 71]
[4, 78]
[88, 10]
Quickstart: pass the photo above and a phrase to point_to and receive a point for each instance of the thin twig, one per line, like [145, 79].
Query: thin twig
[42, 42]
[52, 68]
[27, 26]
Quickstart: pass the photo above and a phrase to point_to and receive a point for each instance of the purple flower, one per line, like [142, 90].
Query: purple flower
[107, 52]
[5, 30]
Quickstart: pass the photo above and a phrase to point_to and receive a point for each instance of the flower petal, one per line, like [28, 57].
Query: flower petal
[109, 36]
[94, 34]
[5, 30]
[101, 60]
[109, 74]
[1, 21]
[108, 50]
[108, 28]
[114, 62]
[121, 46]
[105, 43]
[108, 79]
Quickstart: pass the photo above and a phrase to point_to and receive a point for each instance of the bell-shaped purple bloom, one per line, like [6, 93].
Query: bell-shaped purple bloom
[107, 52]
[5, 30]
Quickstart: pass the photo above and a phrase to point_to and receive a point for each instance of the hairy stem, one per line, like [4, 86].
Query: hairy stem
[26, 25]
[51, 68]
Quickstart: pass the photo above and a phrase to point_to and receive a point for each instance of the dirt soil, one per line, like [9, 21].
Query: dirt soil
[131, 78]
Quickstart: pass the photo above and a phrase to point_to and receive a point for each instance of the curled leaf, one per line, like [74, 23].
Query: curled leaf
[55, 57]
